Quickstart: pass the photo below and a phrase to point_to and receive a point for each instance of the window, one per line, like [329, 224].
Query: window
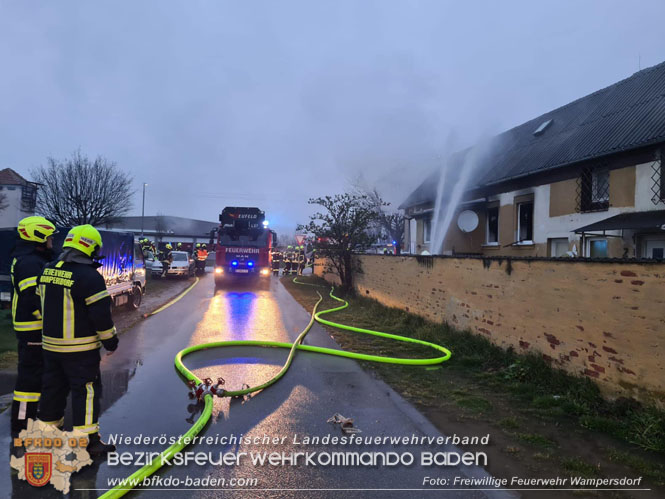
[653, 247]
[492, 225]
[138, 254]
[427, 229]
[658, 186]
[558, 247]
[595, 189]
[28, 197]
[597, 248]
[543, 126]
[525, 223]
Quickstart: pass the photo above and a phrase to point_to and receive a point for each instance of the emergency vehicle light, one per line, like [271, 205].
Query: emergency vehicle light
[234, 263]
[250, 263]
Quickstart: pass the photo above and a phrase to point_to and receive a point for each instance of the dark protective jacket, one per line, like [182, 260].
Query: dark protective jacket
[26, 267]
[76, 307]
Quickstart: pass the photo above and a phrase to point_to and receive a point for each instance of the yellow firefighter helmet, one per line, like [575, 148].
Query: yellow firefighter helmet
[84, 238]
[35, 229]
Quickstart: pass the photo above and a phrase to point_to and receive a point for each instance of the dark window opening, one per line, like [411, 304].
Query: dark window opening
[493, 225]
[594, 189]
[525, 222]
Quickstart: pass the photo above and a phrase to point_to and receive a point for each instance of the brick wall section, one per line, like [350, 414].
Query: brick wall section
[601, 320]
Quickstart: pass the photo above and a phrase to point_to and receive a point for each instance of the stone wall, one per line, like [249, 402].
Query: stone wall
[601, 320]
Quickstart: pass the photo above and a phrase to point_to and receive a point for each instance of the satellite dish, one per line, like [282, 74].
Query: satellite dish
[467, 221]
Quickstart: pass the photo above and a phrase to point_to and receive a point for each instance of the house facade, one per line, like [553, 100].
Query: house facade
[18, 196]
[584, 180]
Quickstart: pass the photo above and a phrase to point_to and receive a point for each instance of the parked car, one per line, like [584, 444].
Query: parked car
[152, 264]
[182, 264]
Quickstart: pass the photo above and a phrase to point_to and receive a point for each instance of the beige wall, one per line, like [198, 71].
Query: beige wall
[600, 320]
[563, 197]
[622, 187]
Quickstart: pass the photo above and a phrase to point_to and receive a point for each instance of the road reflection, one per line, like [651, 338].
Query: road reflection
[241, 315]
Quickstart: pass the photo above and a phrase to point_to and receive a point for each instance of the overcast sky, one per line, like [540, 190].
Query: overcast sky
[216, 103]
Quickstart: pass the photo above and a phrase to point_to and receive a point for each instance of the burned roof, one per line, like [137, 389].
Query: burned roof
[626, 115]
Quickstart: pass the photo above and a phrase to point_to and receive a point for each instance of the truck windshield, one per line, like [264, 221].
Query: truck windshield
[256, 240]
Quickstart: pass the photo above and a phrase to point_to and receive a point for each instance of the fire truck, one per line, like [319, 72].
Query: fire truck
[243, 245]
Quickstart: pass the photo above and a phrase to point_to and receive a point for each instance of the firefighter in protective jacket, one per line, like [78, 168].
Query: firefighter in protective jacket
[77, 322]
[276, 260]
[31, 254]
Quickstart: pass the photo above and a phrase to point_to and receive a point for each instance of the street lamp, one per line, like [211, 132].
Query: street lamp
[143, 208]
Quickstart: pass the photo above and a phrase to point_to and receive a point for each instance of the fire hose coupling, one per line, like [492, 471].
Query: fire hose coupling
[199, 391]
[346, 424]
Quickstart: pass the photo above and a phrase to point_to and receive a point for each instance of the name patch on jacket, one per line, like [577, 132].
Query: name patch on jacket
[56, 276]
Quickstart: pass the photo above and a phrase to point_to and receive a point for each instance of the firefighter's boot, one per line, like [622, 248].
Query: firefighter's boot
[96, 447]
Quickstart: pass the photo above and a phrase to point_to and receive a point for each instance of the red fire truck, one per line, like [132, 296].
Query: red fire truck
[243, 245]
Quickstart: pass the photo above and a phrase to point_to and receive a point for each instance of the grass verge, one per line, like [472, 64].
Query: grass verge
[522, 396]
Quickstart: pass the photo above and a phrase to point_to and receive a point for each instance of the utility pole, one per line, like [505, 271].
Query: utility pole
[143, 208]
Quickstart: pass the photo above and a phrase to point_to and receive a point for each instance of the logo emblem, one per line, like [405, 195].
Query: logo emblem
[37, 468]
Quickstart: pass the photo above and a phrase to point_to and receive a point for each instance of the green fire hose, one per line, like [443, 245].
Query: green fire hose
[149, 469]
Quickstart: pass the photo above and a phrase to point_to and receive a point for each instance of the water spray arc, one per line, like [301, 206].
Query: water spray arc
[453, 184]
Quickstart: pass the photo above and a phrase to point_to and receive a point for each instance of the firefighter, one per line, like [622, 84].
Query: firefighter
[31, 253]
[166, 258]
[178, 246]
[77, 322]
[145, 246]
[201, 257]
[276, 260]
[288, 259]
[301, 259]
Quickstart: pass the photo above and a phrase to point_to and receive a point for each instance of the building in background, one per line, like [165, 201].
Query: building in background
[18, 196]
[167, 229]
[585, 180]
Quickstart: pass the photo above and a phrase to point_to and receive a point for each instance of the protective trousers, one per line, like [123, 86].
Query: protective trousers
[78, 372]
[28, 383]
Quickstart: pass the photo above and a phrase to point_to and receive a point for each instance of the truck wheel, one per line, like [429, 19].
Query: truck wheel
[135, 298]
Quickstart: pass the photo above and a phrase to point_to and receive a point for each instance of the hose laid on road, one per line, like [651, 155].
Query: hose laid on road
[173, 301]
[152, 467]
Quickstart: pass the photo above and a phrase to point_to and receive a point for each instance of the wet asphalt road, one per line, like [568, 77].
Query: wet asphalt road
[143, 395]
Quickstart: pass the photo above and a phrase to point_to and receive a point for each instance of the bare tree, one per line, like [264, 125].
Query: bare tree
[341, 230]
[79, 191]
[389, 223]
